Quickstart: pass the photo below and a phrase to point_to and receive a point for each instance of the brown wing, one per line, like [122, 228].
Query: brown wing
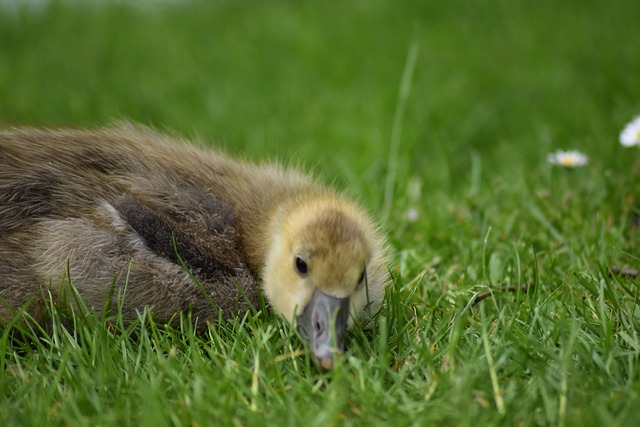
[101, 211]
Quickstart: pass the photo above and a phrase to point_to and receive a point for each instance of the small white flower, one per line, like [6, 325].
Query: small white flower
[568, 159]
[413, 214]
[630, 135]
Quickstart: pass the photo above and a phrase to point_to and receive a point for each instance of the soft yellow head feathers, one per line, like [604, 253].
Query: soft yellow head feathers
[326, 244]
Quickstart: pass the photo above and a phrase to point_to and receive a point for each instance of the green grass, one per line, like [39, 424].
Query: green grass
[495, 87]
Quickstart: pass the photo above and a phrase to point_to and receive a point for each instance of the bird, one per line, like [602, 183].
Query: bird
[138, 219]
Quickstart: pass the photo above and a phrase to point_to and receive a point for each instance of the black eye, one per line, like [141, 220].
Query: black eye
[301, 266]
[361, 279]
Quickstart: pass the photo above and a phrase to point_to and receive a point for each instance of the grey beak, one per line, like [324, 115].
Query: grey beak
[323, 324]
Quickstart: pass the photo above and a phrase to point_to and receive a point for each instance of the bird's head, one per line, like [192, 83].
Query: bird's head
[325, 264]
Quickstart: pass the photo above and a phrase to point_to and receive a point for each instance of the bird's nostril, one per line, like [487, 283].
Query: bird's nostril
[318, 326]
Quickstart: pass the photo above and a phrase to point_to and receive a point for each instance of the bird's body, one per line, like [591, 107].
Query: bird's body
[122, 205]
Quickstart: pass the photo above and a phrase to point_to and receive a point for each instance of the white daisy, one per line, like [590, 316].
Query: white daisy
[568, 159]
[413, 214]
[630, 135]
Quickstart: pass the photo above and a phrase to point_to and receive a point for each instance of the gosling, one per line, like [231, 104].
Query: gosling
[121, 212]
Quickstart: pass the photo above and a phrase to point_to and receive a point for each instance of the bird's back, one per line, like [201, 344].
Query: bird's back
[99, 202]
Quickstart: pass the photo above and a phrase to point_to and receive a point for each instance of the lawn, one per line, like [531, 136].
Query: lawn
[439, 117]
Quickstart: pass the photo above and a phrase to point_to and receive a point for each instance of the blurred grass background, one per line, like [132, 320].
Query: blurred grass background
[496, 86]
